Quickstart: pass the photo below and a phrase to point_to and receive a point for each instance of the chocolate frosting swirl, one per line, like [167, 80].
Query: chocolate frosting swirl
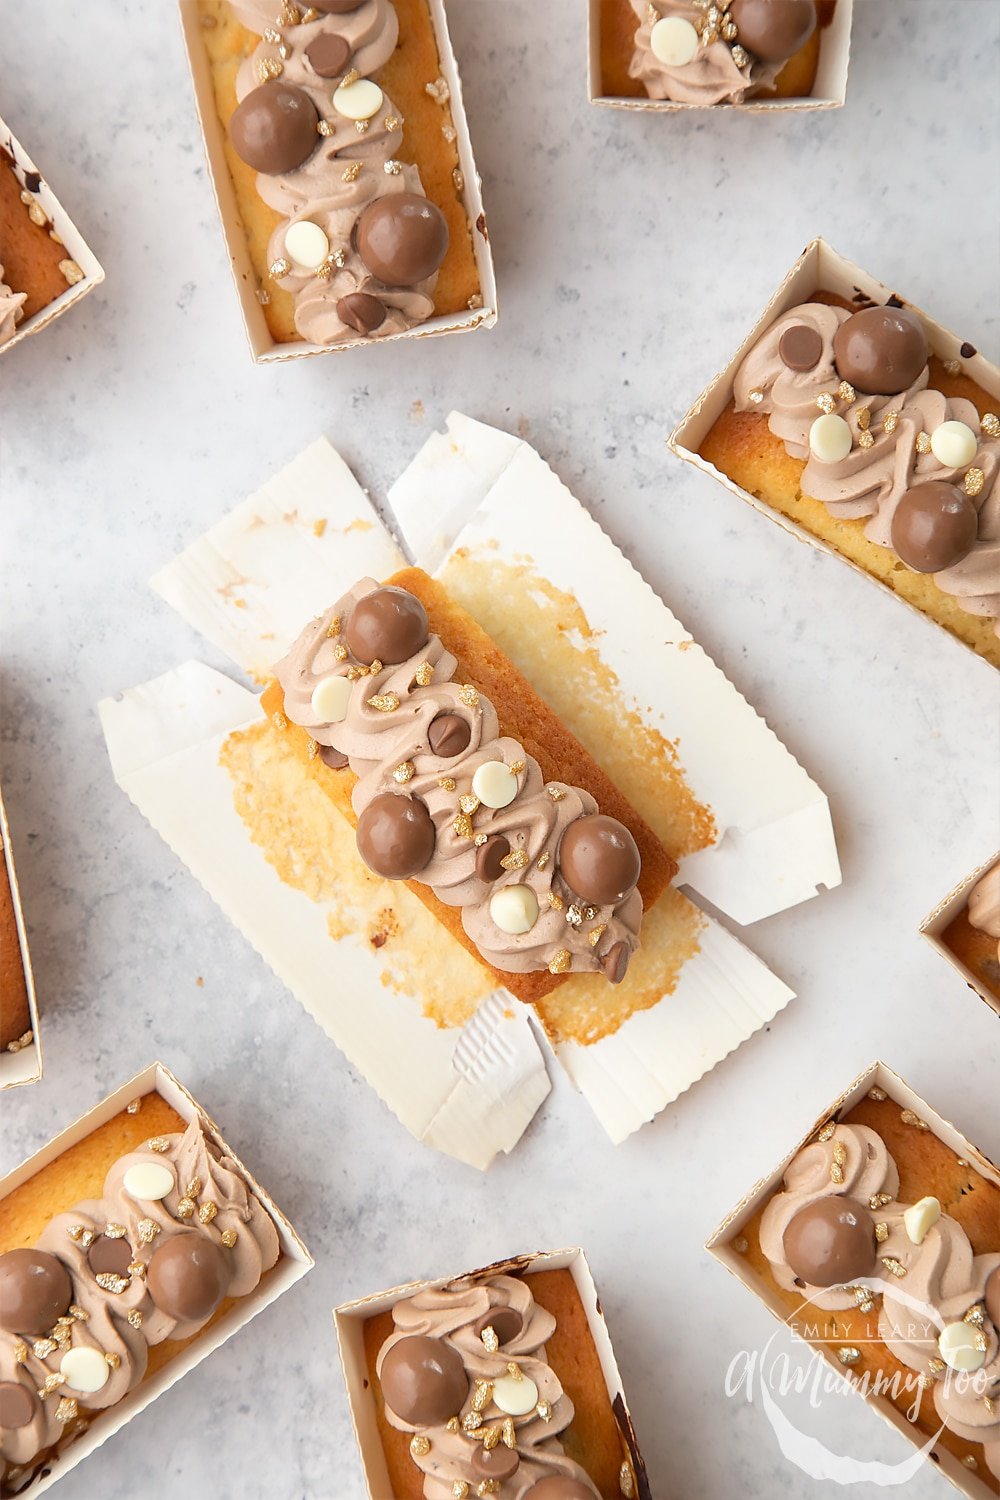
[377, 743]
[120, 1319]
[11, 309]
[318, 190]
[454, 1314]
[871, 480]
[943, 1280]
[713, 76]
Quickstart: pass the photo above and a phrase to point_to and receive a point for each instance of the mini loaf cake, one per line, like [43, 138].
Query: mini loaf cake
[464, 784]
[95, 1296]
[341, 148]
[34, 266]
[711, 51]
[974, 934]
[846, 422]
[15, 1012]
[889, 1243]
[492, 1385]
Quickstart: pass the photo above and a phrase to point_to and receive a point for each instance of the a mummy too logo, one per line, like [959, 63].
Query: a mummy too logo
[791, 1385]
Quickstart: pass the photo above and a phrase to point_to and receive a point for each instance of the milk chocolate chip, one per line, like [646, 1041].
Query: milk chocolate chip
[800, 347]
[489, 856]
[188, 1277]
[992, 1298]
[108, 1257]
[449, 735]
[361, 311]
[388, 625]
[396, 836]
[328, 54]
[335, 759]
[615, 962]
[599, 859]
[559, 1487]
[506, 1323]
[880, 350]
[424, 1381]
[35, 1291]
[402, 238]
[831, 1242]
[274, 128]
[17, 1405]
[773, 30]
[934, 526]
[500, 1463]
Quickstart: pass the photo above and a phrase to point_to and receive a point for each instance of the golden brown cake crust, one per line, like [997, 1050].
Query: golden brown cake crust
[15, 1015]
[523, 716]
[28, 254]
[741, 445]
[976, 950]
[593, 1439]
[414, 64]
[926, 1166]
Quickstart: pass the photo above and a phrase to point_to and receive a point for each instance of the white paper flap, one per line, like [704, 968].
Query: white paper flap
[476, 488]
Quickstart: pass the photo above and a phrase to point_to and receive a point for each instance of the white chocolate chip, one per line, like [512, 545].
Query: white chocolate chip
[85, 1369]
[830, 439]
[494, 784]
[150, 1180]
[306, 244]
[358, 101]
[330, 699]
[674, 41]
[514, 908]
[920, 1217]
[515, 1398]
[954, 444]
[959, 1344]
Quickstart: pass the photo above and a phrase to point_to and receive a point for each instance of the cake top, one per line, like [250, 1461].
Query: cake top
[543, 879]
[715, 51]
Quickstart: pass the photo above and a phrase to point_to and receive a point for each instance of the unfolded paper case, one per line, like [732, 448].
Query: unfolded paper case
[350, 1319]
[944, 913]
[76, 246]
[829, 88]
[724, 1243]
[263, 347]
[23, 1063]
[295, 1261]
[818, 268]
[469, 1082]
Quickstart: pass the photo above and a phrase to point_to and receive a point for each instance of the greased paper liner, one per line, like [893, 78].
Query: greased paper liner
[249, 585]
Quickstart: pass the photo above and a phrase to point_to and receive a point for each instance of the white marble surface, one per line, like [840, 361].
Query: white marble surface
[633, 252]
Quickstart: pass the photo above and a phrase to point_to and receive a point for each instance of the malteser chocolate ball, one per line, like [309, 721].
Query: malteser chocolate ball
[559, 1487]
[506, 1323]
[934, 526]
[615, 962]
[773, 30]
[800, 347]
[274, 128]
[329, 54]
[108, 1257]
[188, 1277]
[361, 311]
[449, 735]
[880, 350]
[599, 859]
[17, 1405]
[992, 1298]
[388, 625]
[831, 1242]
[396, 836]
[402, 238]
[424, 1381]
[500, 1463]
[35, 1290]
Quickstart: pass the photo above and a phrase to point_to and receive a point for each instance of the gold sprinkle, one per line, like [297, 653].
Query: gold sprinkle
[542, 860]
[269, 67]
[864, 416]
[447, 783]
[115, 1231]
[392, 167]
[990, 1405]
[353, 673]
[894, 1267]
[42, 1348]
[324, 128]
[626, 1479]
[404, 772]
[881, 1233]
[741, 1244]
[827, 1131]
[312, 750]
[840, 1153]
[420, 1446]
[960, 1161]
[544, 1410]
[71, 272]
[351, 76]
[185, 1208]
[923, 443]
[469, 803]
[392, 122]
[866, 440]
[37, 214]
[596, 933]
[272, 35]
[67, 1410]
[848, 1355]
[438, 90]
[148, 1230]
[990, 424]
[730, 31]
[490, 1341]
[879, 1200]
[755, 397]
[463, 826]
[76, 1233]
[52, 1383]
[515, 860]
[846, 392]
[229, 1238]
[482, 1393]
[981, 1343]
[491, 1438]
[361, 126]
[560, 962]
[574, 914]
[909, 1118]
[453, 1425]
[953, 366]
[458, 178]
[375, 668]
[80, 1313]
[385, 703]
[975, 1315]
[61, 1334]
[889, 424]
[514, 1371]
[135, 1318]
[741, 57]
[472, 1421]
[836, 1173]
[516, 767]
[487, 1487]
[826, 402]
[878, 1095]
[279, 267]
[158, 1143]
[20, 1352]
[469, 696]
[557, 793]
[108, 1281]
[556, 902]
[508, 1434]
[974, 482]
[207, 1212]
[134, 1107]
[476, 300]
[193, 1188]
[114, 1360]
[481, 839]
[137, 1268]
[460, 1490]
[290, 15]
[424, 675]
[970, 1462]
[339, 653]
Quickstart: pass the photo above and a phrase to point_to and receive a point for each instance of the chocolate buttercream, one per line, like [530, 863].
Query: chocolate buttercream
[11, 309]
[721, 71]
[386, 733]
[984, 905]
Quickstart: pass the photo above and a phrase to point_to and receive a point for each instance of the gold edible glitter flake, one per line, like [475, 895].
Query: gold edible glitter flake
[836, 1173]
[135, 1318]
[134, 1107]
[469, 696]
[80, 1313]
[755, 397]
[67, 1410]
[42, 1348]
[827, 1130]
[866, 440]
[361, 126]
[185, 1208]
[351, 76]
[826, 403]
[881, 1233]
[864, 416]
[392, 122]
[515, 860]
[626, 1481]
[595, 935]
[889, 424]
[877, 1094]
[375, 668]
[894, 1267]
[340, 653]
[404, 772]
[909, 1118]
[879, 1200]
[272, 35]
[923, 443]
[114, 1360]
[420, 1446]
[490, 1341]
[108, 1281]
[453, 1424]
[159, 1143]
[976, 1315]
[324, 128]
[290, 15]
[392, 167]
[137, 1268]
[460, 1490]
[385, 703]
[846, 392]
[312, 750]
[491, 1438]
[279, 268]
[508, 1433]
[469, 803]
[840, 1153]
[472, 1421]
[229, 1238]
[557, 793]
[20, 1352]
[559, 962]
[268, 68]
[115, 1231]
[438, 90]
[487, 1487]
[542, 860]
[516, 767]
[556, 902]
[544, 1410]
[148, 1230]
[352, 171]
[953, 366]
[77, 1234]
[193, 1188]
[447, 783]
[482, 1393]
[990, 424]
[462, 826]
[333, 629]
[207, 1212]
[974, 482]
[514, 1371]
[424, 675]
[52, 1383]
